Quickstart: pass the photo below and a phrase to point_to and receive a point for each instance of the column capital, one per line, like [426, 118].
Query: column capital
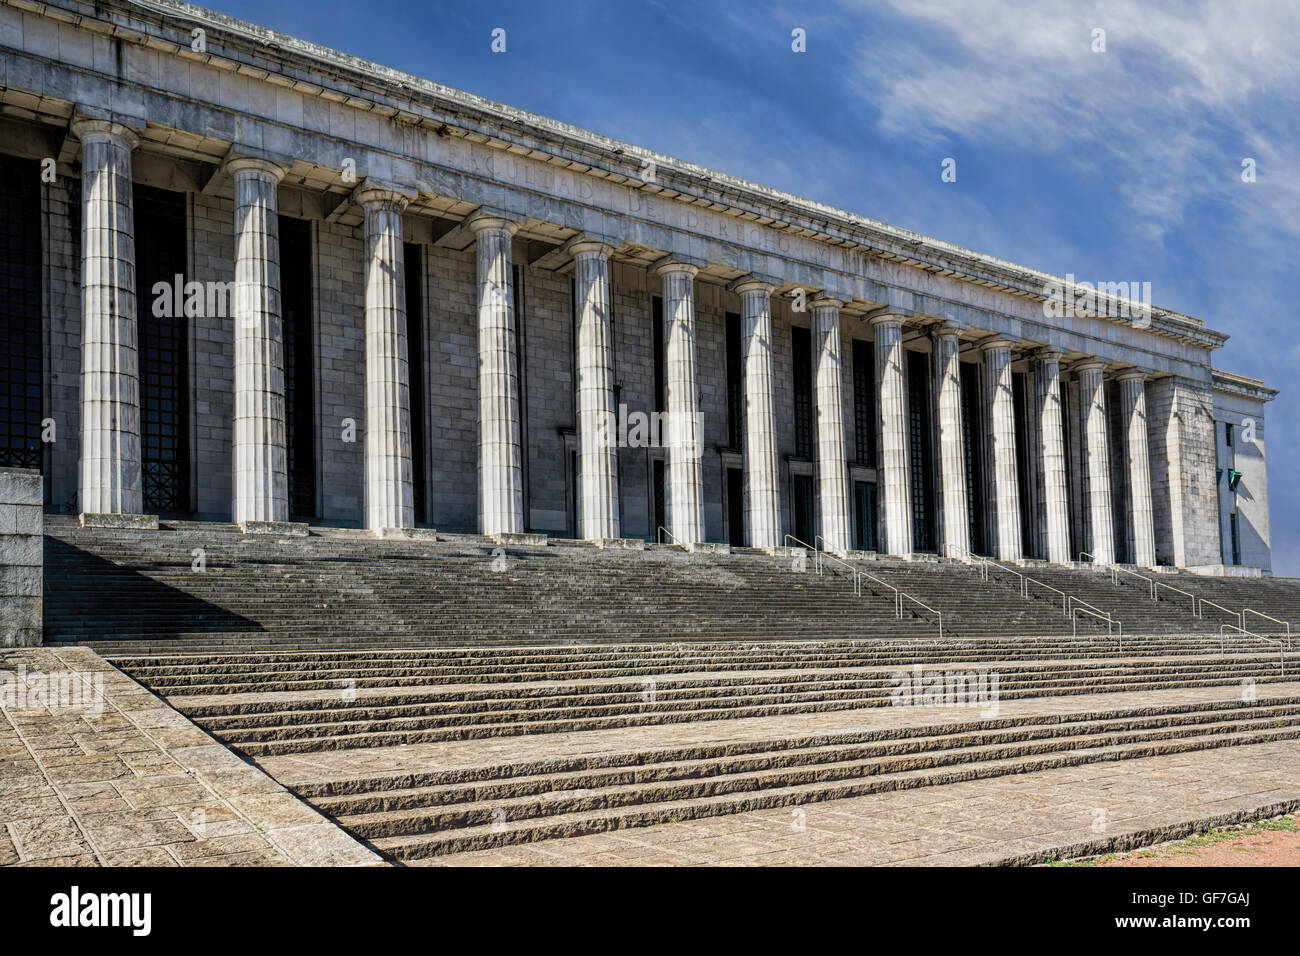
[946, 329]
[670, 264]
[828, 302]
[749, 284]
[255, 164]
[588, 246]
[988, 345]
[1046, 354]
[885, 317]
[1089, 365]
[1131, 375]
[377, 191]
[480, 221]
[90, 127]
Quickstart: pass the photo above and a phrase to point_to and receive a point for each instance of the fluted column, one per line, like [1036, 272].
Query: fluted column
[1002, 416]
[110, 378]
[683, 504]
[762, 504]
[260, 456]
[895, 491]
[1133, 397]
[832, 469]
[952, 452]
[1056, 500]
[500, 470]
[1092, 404]
[597, 451]
[389, 494]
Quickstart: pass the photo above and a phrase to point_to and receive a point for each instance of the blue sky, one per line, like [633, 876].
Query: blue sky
[1113, 166]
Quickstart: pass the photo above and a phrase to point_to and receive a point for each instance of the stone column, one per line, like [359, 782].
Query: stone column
[894, 489]
[500, 469]
[597, 445]
[1002, 418]
[1092, 401]
[389, 494]
[110, 379]
[762, 504]
[683, 505]
[954, 510]
[832, 469]
[261, 479]
[1056, 499]
[1133, 397]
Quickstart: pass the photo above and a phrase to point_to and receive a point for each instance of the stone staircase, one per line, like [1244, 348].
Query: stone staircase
[442, 696]
[341, 585]
[417, 816]
[428, 752]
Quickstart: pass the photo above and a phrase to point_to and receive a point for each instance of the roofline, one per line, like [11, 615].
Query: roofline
[620, 159]
[1237, 384]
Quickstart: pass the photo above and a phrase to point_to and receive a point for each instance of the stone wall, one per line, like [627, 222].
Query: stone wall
[1247, 455]
[1180, 430]
[21, 557]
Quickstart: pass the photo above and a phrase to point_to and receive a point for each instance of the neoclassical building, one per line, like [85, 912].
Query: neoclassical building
[250, 279]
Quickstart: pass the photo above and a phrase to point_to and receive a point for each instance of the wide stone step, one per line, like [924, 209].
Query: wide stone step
[502, 831]
[386, 798]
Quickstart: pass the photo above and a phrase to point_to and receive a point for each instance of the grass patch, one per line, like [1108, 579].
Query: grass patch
[1190, 844]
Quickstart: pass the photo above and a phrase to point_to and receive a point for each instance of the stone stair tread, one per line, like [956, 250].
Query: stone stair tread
[573, 824]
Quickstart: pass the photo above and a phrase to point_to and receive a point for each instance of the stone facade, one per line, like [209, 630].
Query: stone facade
[21, 560]
[563, 291]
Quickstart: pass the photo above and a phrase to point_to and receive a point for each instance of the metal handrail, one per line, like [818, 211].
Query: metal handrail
[1281, 656]
[1103, 616]
[1092, 607]
[1240, 615]
[1064, 596]
[903, 595]
[965, 554]
[899, 594]
[1114, 577]
[985, 563]
[659, 536]
[1245, 611]
[818, 555]
[1170, 587]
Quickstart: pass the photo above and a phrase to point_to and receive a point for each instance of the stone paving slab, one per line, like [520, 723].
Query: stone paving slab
[1030, 818]
[110, 775]
[322, 766]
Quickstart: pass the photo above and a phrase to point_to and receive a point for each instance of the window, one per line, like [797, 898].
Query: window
[1227, 433]
[21, 333]
[864, 515]
[163, 350]
[413, 257]
[1236, 537]
[735, 507]
[864, 400]
[803, 506]
[801, 344]
[660, 500]
[735, 384]
[1019, 399]
[972, 426]
[918, 407]
[657, 337]
[299, 384]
